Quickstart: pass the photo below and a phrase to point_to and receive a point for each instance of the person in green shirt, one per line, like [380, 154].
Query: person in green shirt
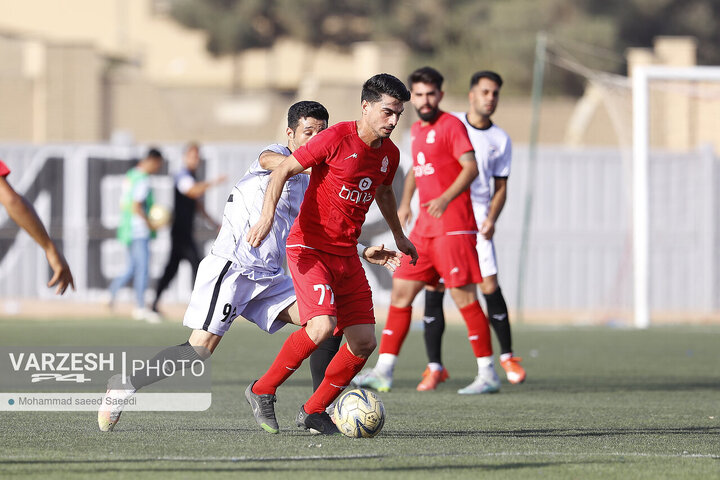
[135, 230]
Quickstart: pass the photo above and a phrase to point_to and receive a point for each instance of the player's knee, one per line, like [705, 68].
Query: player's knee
[363, 347]
[320, 328]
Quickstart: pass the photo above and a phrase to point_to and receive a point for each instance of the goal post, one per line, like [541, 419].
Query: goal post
[641, 76]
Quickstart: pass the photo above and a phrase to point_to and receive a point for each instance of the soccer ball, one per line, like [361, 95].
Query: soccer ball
[158, 216]
[359, 413]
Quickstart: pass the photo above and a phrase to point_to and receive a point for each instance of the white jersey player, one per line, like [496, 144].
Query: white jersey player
[236, 279]
[493, 152]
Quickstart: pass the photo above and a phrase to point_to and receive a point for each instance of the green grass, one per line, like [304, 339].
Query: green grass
[598, 403]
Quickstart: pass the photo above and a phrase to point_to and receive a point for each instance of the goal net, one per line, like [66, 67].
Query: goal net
[666, 122]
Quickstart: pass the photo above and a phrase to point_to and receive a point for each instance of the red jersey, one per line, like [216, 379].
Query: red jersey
[345, 174]
[436, 148]
[4, 170]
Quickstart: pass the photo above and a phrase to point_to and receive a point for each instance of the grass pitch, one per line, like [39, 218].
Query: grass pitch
[598, 403]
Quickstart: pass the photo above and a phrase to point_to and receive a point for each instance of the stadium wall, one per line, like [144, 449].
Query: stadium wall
[579, 263]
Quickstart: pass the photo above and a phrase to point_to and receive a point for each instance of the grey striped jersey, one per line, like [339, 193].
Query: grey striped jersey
[242, 211]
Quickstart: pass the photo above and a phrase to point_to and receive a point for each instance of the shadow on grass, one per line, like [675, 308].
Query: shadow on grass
[556, 432]
[154, 465]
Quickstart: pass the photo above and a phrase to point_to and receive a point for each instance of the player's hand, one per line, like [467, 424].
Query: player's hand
[436, 207]
[487, 229]
[379, 255]
[258, 232]
[405, 215]
[406, 247]
[220, 179]
[62, 276]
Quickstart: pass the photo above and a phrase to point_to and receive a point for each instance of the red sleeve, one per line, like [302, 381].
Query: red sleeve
[458, 137]
[4, 170]
[317, 150]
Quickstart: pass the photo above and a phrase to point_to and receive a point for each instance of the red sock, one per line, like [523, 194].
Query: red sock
[478, 329]
[342, 368]
[296, 348]
[396, 329]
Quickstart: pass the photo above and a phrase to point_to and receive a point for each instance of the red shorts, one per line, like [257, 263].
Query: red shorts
[327, 284]
[450, 257]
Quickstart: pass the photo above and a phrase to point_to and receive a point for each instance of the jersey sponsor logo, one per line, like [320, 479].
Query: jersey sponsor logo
[430, 137]
[354, 155]
[422, 168]
[360, 195]
[365, 183]
[385, 163]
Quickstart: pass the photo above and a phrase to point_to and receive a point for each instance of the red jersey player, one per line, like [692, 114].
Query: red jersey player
[444, 166]
[353, 163]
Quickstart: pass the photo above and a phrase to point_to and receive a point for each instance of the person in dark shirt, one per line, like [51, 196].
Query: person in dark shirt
[188, 201]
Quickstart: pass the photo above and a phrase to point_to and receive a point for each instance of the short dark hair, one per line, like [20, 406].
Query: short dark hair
[485, 74]
[384, 84]
[154, 153]
[306, 109]
[426, 75]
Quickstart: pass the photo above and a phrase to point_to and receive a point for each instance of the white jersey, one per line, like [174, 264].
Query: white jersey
[493, 152]
[242, 211]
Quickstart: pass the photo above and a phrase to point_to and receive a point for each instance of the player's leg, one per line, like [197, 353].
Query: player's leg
[169, 361]
[497, 310]
[348, 361]
[396, 329]
[434, 327]
[171, 269]
[325, 352]
[465, 298]
[298, 346]
[320, 359]
[260, 394]
[123, 279]
[141, 258]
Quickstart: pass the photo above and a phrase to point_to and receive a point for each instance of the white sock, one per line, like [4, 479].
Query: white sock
[484, 362]
[435, 367]
[506, 356]
[386, 364]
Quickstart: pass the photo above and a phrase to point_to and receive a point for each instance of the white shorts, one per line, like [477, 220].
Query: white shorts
[486, 256]
[485, 248]
[222, 293]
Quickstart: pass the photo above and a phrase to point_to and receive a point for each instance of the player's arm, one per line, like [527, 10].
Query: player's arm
[487, 229]
[198, 189]
[138, 209]
[436, 207]
[22, 212]
[404, 211]
[278, 177]
[385, 199]
[270, 160]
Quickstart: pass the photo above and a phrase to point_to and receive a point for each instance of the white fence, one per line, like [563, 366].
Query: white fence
[580, 249]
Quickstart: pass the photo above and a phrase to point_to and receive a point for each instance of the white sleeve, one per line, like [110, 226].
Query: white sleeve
[502, 166]
[185, 182]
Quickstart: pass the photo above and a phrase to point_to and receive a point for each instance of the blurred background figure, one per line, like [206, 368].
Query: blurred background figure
[22, 212]
[188, 202]
[135, 231]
